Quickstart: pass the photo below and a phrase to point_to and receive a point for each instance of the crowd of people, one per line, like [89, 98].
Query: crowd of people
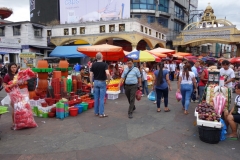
[191, 79]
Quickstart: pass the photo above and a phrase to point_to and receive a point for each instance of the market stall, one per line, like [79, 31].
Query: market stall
[209, 112]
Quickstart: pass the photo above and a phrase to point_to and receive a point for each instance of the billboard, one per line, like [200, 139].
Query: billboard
[77, 11]
[44, 11]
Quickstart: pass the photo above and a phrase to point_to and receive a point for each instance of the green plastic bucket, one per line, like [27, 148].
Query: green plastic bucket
[45, 115]
[85, 106]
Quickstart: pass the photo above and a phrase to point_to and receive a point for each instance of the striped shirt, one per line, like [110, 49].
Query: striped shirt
[132, 77]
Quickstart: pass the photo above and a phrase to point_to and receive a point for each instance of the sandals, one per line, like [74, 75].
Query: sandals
[103, 116]
[167, 110]
[97, 114]
[186, 112]
[159, 110]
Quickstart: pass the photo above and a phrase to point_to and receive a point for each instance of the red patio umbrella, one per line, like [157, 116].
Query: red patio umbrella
[235, 60]
[109, 52]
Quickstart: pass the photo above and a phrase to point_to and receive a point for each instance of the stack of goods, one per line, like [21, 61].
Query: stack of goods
[42, 76]
[214, 90]
[114, 83]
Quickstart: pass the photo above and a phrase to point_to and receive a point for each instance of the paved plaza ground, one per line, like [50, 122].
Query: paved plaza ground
[148, 136]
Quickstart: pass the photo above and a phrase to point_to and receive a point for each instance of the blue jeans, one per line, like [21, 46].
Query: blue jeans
[99, 95]
[145, 87]
[162, 93]
[186, 91]
[201, 91]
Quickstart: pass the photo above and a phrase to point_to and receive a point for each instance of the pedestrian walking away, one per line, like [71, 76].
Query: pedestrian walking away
[162, 85]
[99, 72]
[185, 85]
[144, 71]
[131, 79]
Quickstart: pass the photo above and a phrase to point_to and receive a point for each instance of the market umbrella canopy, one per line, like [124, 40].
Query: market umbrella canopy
[142, 56]
[183, 54]
[109, 52]
[235, 60]
[159, 51]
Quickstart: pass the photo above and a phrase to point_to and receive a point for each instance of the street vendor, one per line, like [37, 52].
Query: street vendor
[229, 77]
[80, 77]
[116, 72]
[234, 115]
[12, 71]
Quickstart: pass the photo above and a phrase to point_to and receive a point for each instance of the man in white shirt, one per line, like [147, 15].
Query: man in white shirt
[228, 73]
[172, 70]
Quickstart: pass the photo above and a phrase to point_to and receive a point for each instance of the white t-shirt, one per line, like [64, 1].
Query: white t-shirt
[228, 74]
[237, 102]
[173, 67]
[144, 74]
[167, 67]
[185, 80]
[181, 65]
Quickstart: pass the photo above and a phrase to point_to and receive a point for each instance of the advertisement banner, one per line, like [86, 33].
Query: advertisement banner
[77, 11]
[10, 42]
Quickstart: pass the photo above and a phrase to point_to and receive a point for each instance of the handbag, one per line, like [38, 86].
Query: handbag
[126, 77]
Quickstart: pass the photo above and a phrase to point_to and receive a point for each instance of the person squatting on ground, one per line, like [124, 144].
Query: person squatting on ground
[100, 73]
[132, 80]
[162, 85]
[185, 85]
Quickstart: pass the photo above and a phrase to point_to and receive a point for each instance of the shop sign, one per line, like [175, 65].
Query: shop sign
[11, 43]
[27, 55]
[10, 50]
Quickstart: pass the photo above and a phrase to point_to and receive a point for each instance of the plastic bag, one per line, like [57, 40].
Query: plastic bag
[193, 96]
[151, 96]
[138, 95]
[23, 116]
[224, 130]
[178, 96]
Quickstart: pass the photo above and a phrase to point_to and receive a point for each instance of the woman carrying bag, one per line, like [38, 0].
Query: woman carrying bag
[185, 85]
[162, 85]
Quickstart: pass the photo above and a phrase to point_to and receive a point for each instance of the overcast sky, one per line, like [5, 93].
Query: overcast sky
[222, 8]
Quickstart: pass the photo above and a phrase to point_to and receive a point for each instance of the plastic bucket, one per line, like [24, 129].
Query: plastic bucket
[85, 106]
[90, 104]
[73, 111]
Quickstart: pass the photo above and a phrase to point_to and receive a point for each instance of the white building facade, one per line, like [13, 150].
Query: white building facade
[21, 37]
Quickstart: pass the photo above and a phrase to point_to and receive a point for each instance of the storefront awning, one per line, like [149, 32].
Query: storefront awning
[67, 52]
[37, 26]
[41, 47]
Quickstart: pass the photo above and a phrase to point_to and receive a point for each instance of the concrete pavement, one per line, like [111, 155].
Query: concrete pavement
[148, 136]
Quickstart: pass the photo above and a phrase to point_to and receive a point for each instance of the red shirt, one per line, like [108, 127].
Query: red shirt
[201, 82]
[7, 79]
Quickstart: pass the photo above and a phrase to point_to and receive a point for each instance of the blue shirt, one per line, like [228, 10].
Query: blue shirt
[132, 77]
[194, 70]
[164, 85]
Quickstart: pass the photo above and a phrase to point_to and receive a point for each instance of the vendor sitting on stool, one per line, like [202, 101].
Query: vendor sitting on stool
[234, 115]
